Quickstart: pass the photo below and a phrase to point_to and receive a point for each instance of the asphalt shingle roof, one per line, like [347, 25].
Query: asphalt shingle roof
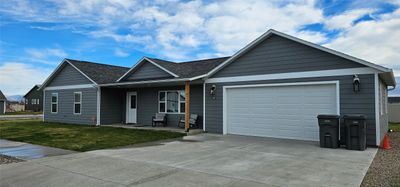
[2, 96]
[190, 68]
[104, 73]
[100, 73]
[394, 99]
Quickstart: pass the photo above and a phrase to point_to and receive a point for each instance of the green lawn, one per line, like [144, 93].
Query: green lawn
[395, 127]
[78, 137]
[22, 113]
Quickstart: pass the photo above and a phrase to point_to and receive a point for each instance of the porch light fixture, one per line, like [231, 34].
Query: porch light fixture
[212, 91]
[356, 83]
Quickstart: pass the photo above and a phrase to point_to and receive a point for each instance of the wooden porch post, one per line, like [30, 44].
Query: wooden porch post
[187, 105]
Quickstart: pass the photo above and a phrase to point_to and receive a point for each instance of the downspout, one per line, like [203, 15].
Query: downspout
[98, 105]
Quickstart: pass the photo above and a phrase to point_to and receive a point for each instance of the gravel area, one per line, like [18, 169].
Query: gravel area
[4, 159]
[385, 168]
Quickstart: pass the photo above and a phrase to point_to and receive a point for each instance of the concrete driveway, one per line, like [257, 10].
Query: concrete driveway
[200, 160]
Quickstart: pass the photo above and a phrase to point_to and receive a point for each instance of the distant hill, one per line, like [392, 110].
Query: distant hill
[14, 97]
[396, 91]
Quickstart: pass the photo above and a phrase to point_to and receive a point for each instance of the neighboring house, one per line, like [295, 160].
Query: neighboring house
[394, 109]
[3, 103]
[273, 87]
[34, 99]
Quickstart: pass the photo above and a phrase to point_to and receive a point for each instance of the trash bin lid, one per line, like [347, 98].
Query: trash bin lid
[355, 116]
[328, 116]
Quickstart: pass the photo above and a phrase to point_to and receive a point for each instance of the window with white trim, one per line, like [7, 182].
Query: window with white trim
[37, 101]
[77, 102]
[54, 103]
[33, 101]
[171, 101]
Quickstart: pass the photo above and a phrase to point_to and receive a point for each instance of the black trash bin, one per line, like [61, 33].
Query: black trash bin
[328, 131]
[356, 132]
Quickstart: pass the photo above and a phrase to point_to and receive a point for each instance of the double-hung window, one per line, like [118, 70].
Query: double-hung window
[171, 101]
[54, 103]
[77, 102]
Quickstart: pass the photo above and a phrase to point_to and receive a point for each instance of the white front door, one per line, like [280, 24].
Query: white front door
[131, 103]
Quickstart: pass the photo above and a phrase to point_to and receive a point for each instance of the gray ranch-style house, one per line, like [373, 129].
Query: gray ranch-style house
[273, 87]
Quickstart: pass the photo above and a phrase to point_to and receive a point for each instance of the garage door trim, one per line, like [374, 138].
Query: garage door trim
[225, 88]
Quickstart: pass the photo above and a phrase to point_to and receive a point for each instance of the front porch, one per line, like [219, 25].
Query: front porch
[158, 128]
[134, 105]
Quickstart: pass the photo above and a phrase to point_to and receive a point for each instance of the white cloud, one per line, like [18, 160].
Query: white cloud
[46, 53]
[375, 41]
[17, 78]
[120, 53]
[346, 19]
[180, 30]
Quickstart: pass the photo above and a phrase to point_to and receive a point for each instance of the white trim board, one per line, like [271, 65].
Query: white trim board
[224, 98]
[377, 113]
[141, 61]
[271, 32]
[144, 82]
[204, 107]
[294, 75]
[79, 86]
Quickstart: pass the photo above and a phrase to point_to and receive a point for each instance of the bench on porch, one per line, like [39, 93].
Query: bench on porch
[193, 121]
[159, 118]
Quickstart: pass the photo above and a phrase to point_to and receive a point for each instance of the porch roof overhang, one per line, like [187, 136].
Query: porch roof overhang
[158, 82]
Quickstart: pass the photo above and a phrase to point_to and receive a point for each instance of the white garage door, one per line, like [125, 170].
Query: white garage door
[279, 111]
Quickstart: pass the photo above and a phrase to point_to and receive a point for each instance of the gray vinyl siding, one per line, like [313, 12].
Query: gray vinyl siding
[68, 75]
[147, 71]
[383, 118]
[34, 94]
[65, 106]
[112, 106]
[2, 107]
[114, 111]
[362, 102]
[280, 55]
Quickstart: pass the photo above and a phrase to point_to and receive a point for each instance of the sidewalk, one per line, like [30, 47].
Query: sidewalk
[26, 151]
[24, 116]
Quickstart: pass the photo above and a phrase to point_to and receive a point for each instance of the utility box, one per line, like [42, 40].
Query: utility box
[328, 131]
[356, 132]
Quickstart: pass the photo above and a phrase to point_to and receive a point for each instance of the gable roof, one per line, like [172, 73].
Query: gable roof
[99, 73]
[389, 76]
[37, 86]
[2, 96]
[138, 65]
[187, 69]
[95, 72]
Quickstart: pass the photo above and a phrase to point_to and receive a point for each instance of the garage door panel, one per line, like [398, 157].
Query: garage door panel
[279, 111]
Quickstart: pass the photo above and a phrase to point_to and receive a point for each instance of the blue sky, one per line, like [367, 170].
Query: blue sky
[36, 35]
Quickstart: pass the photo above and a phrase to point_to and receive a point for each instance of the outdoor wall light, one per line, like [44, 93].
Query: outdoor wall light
[356, 83]
[212, 91]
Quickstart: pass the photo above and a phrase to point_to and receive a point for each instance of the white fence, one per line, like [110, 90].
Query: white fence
[394, 112]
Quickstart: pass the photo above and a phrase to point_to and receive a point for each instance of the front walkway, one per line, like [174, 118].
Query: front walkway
[200, 160]
[26, 151]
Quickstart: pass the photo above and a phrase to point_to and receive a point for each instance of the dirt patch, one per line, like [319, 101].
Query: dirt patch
[385, 168]
[4, 159]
